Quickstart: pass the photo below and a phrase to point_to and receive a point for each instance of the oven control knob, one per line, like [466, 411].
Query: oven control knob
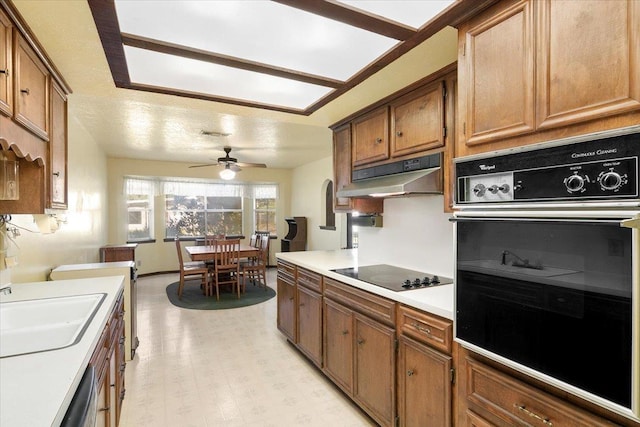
[426, 281]
[479, 190]
[416, 283]
[407, 284]
[435, 280]
[575, 183]
[611, 180]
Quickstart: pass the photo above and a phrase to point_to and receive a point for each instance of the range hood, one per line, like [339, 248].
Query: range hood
[409, 177]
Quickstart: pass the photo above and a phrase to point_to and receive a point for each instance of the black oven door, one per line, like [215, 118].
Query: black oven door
[551, 295]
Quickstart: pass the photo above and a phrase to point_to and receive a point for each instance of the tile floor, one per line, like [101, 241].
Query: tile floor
[223, 368]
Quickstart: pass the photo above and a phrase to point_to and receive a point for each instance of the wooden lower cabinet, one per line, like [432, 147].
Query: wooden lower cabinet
[286, 314]
[359, 356]
[374, 369]
[425, 369]
[108, 359]
[310, 324]
[424, 385]
[491, 397]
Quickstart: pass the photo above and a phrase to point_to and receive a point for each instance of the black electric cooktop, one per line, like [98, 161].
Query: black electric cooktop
[393, 278]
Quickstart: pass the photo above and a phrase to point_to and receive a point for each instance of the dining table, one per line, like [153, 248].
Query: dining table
[208, 253]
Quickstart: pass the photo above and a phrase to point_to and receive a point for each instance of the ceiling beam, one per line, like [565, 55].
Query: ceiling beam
[352, 16]
[226, 60]
[106, 19]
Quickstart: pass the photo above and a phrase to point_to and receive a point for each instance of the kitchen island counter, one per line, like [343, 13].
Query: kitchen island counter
[36, 388]
[437, 300]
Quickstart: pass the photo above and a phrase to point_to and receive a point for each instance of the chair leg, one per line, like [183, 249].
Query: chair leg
[180, 286]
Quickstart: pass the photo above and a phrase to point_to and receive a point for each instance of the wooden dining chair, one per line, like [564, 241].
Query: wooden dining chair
[226, 269]
[255, 270]
[190, 270]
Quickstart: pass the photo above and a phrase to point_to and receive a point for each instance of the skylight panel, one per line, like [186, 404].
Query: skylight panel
[414, 13]
[162, 70]
[261, 31]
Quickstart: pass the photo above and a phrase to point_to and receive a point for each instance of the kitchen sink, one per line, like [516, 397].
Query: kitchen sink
[37, 325]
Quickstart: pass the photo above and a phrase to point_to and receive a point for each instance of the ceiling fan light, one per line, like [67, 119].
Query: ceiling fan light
[227, 173]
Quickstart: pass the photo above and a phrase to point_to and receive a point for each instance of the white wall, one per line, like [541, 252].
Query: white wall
[78, 240]
[307, 199]
[416, 234]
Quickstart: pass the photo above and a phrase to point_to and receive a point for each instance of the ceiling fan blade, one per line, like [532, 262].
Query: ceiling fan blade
[251, 165]
[202, 166]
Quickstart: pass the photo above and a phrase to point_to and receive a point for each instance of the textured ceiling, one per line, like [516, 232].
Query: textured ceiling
[143, 125]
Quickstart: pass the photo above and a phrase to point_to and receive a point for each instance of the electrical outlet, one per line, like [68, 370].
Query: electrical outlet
[139, 263]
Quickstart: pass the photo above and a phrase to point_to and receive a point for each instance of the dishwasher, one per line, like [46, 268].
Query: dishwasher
[83, 408]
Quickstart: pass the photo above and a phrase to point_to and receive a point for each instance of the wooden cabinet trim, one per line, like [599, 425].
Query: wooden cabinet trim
[309, 279]
[6, 64]
[426, 328]
[500, 397]
[364, 302]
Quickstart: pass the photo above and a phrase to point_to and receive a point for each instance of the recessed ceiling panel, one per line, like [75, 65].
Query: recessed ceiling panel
[414, 13]
[261, 31]
[162, 70]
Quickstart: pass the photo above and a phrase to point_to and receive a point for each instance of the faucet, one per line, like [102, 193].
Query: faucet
[5, 290]
[520, 262]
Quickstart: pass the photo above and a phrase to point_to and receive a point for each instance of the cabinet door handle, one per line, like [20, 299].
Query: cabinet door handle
[399, 133]
[56, 174]
[421, 328]
[378, 140]
[345, 332]
[410, 372]
[524, 409]
[104, 409]
[301, 304]
[5, 72]
[361, 341]
[25, 91]
[290, 298]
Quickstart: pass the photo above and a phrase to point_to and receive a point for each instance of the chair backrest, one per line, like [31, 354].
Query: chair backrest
[264, 248]
[227, 253]
[210, 239]
[179, 248]
[253, 241]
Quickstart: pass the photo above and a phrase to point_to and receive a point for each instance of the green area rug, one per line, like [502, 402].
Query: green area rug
[193, 298]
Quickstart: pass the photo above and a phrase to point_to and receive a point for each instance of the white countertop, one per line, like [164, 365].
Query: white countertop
[95, 265]
[437, 300]
[36, 389]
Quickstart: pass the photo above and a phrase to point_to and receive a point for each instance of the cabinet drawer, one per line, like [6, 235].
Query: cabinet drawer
[310, 280]
[497, 395]
[426, 328]
[373, 306]
[286, 270]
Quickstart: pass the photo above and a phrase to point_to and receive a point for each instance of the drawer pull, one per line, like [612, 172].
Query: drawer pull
[25, 91]
[524, 409]
[399, 133]
[421, 328]
[361, 341]
[378, 140]
[104, 409]
[5, 72]
[410, 372]
[345, 332]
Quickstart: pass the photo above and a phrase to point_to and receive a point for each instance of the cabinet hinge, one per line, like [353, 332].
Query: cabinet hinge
[444, 132]
[464, 128]
[464, 49]
[397, 421]
[395, 344]
[453, 375]
[444, 90]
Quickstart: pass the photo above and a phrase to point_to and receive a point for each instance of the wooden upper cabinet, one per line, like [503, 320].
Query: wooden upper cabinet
[588, 60]
[58, 149]
[342, 175]
[31, 90]
[535, 71]
[417, 121]
[6, 72]
[496, 74]
[370, 137]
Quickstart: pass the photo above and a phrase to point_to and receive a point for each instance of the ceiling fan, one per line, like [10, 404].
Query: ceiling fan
[231, 165]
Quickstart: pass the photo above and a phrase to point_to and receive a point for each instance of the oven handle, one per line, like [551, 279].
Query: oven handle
[631, 223]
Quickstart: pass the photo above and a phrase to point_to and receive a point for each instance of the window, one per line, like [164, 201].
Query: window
[200, 215]
[139, 210]
[195, 208]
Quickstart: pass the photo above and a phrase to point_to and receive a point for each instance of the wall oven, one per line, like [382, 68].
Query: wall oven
[548, 264]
